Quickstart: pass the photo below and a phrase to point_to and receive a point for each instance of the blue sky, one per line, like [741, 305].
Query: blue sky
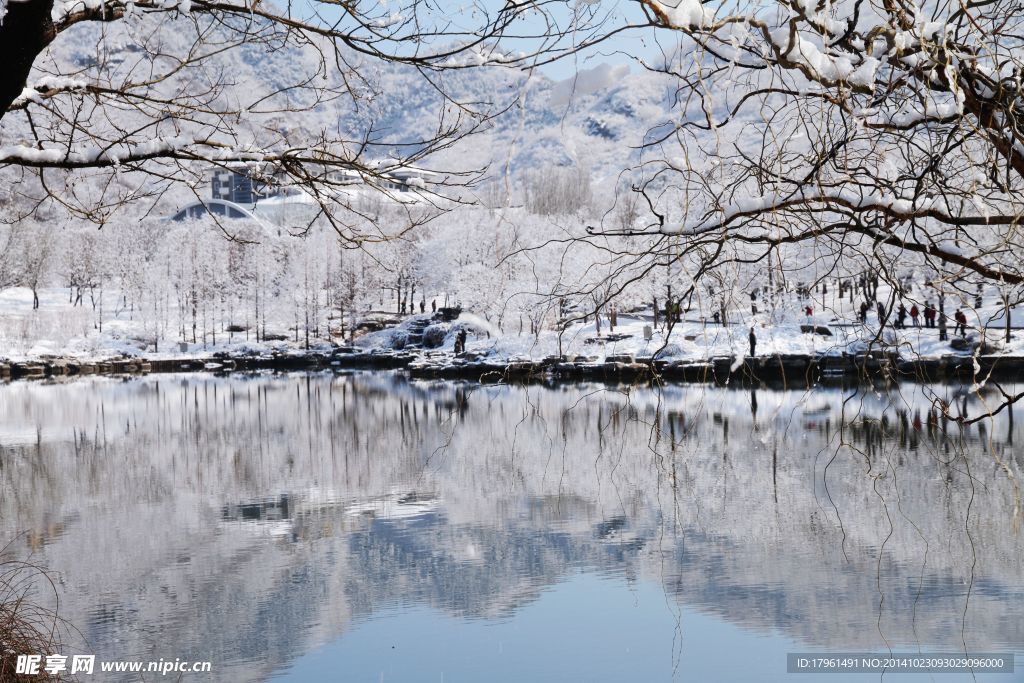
[622, 48]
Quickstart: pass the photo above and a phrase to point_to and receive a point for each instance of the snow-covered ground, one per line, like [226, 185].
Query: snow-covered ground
[697, 340]
[59, 328]
[781, 331]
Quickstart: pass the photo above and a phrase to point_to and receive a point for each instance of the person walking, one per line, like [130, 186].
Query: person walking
[929, 315]
[915, 315]
[881, 314]
[901, 316]
[753, 343]
[433, 306]
[961, 323]
[942, 327]
[864, 313]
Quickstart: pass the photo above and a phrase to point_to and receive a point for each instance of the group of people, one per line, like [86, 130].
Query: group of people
[409, 308]
[933, 317]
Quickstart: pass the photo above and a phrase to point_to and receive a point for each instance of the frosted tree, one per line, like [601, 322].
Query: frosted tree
[31, 246]
[887, 131]
[558, 190]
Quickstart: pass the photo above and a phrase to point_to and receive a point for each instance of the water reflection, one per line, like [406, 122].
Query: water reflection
[250, 520]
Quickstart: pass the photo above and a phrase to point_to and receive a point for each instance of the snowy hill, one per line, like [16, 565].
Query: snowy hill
[595, 120]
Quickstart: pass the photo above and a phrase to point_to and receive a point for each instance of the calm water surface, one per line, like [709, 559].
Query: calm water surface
[369, 528]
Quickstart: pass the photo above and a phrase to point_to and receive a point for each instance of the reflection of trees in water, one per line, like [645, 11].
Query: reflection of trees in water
[264, 514]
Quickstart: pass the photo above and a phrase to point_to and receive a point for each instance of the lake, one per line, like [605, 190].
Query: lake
[365, 527]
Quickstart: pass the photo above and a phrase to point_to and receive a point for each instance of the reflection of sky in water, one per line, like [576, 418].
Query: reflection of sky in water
[307, 521]
[586, 628]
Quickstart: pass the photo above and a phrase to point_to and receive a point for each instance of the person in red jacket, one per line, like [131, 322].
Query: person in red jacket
[961, 323]
[915, 316]
[929, 315]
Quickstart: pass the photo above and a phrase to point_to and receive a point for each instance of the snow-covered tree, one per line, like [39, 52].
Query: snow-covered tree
[889, 132]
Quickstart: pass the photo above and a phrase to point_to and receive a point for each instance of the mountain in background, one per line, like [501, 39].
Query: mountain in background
[596, 120]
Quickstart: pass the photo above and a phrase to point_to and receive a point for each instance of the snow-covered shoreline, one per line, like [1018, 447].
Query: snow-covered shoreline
[59, 339]
[791, 370]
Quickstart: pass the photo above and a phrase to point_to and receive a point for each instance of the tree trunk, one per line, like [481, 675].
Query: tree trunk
[1006, 311]
[25, 31]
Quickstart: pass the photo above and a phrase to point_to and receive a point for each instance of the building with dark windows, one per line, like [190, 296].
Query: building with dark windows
[233, 186]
